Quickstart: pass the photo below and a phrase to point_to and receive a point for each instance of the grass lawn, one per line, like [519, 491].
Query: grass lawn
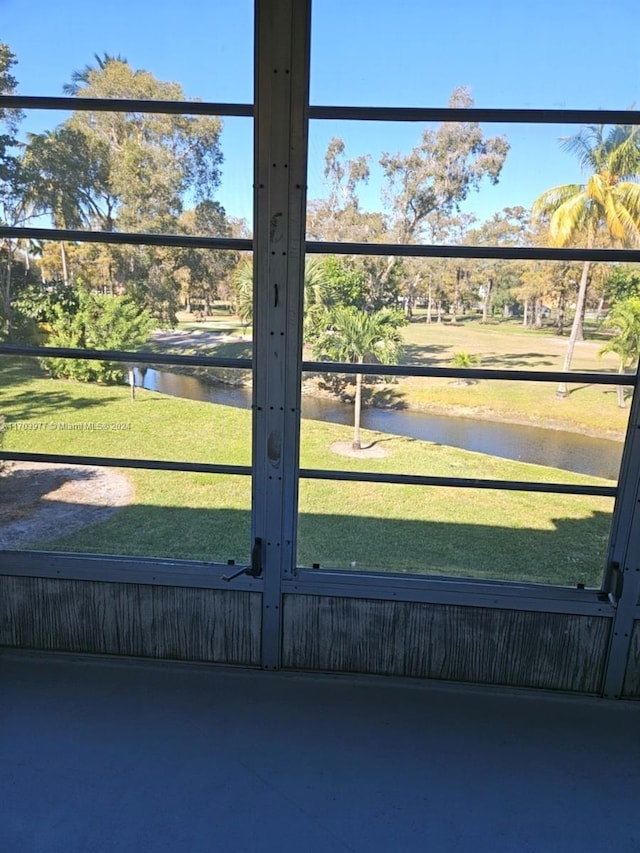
[507, 535]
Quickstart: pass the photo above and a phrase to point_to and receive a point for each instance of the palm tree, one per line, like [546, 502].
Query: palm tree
[466, 360]
[242, 281]
[624, 319]
[80, 79]
[315, 292]
[358, 337]
[609, 200]
[69, 180]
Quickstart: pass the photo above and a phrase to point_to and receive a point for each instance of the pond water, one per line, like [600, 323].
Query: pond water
[572, 452]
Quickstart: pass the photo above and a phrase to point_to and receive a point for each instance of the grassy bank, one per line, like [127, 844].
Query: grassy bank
[510, 535]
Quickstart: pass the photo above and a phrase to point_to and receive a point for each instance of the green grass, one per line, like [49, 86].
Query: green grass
[477, 533]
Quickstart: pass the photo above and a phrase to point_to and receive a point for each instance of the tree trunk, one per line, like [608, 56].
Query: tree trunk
[63, 257]
[6, 296]
[580, 332]
[454, 301]
[622, 403]
[357, 409]
[410, 298]
[486, 301]
[563, 391]
[384, 278]
[537, 320]
[6, 291]
[525, 314]
[560, 314]
[430, 304]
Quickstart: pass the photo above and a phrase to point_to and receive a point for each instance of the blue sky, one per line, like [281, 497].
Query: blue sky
[402, 53]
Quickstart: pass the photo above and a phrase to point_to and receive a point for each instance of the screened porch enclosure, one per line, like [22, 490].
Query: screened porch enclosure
[286, 578]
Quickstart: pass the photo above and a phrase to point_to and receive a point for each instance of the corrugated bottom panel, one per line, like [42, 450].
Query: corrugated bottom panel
[130, 619]
[472, 644]
[632, 678]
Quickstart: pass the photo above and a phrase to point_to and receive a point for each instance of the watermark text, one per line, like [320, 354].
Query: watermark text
[65, 426]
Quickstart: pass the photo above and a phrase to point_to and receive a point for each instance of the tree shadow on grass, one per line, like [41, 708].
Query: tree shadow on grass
[569, 554]
[612, 391]
[527, 360]
[223, 348]
[41, 500]
[33, 485]
[28, 406]
[417, 354]
[574, 388]
[440, 356]
[17, 371]
[234, 349]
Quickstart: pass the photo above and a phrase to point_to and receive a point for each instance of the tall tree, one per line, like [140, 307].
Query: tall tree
[357, 337]
[429, 184]
[155, 160]
[202, 273]
[14, 208]
[70, 181]
[422, 189]
[496, 278]
[609, 200]
[131, 171]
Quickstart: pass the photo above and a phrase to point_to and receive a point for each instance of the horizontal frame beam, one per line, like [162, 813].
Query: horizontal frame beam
[365, 585]
[128, 238]
[327, 112]
[315, 247]
[491, 115]
[128, 357]
[124, 105]
[117, 462]
[150, 357]
[463, 592]
[139, 570]
[506, 253]
[469, 373]
[457, 482]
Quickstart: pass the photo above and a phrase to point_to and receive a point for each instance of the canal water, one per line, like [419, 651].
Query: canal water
[566, 450]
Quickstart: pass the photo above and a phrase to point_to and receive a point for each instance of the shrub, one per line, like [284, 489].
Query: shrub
[101, 322]
[466, 360]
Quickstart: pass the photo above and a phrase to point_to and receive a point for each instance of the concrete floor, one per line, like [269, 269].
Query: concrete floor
[103, 755]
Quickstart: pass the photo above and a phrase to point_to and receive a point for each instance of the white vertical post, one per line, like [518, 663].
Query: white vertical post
[281, 131]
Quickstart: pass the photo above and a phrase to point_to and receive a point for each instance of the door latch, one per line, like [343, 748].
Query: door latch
[254, 569]
[616, 582]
